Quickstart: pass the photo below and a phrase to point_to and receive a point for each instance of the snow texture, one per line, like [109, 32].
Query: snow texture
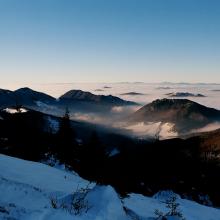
[27, 189]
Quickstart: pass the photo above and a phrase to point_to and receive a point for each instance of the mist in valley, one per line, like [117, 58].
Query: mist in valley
[117, 116]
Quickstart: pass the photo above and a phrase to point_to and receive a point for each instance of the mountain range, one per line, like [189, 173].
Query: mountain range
[183, 115]
[77, 99]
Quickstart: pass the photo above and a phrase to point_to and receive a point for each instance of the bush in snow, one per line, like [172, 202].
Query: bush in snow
[75, 203]
[173, 210]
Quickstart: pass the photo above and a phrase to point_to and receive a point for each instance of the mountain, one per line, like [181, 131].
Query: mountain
[133, 93]
[208, 141]
[184, 114]
[6, 98]
[75, 100]
[184, 94]
[24, 96]
[82, 96]
[27, 96]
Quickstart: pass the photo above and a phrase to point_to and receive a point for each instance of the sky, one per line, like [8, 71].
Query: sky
[61, 41]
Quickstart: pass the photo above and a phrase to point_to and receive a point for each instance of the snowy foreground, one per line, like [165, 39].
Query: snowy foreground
[35, 191]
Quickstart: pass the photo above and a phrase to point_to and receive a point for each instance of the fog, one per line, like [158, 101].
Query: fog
[114, 118]
[153, 130]
[150, 91]
[209, 127]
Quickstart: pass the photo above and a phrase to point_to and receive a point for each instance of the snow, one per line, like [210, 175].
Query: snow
[53, 124]
[47, 108]
[41, 104]
[35, 174]
[102, 203]
[26, 190]
[107, 204]
[14, 111]
[145, 207]
[167, 131]
[114, 152]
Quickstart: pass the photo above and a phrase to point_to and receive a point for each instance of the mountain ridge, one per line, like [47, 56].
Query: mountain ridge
[79, 95]
[185, 114]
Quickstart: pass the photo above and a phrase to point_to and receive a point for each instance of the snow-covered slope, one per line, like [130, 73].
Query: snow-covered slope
[27, 189]
[144, 207]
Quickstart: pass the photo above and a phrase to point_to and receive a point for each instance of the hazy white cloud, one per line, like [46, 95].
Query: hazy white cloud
[117, 109]
[209, 127]
[92, 118]
[154, 130]
[152, 91]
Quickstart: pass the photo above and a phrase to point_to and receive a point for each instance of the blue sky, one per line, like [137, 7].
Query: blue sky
[109, 41]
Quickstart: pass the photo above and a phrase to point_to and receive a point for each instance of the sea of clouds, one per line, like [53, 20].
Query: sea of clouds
[148, 93]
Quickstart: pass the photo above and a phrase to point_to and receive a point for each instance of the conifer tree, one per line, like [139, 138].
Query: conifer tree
[66, 143]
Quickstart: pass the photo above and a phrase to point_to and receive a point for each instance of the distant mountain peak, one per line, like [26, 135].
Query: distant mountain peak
[185, 114]
[184, 94]
[23, 96]
[133, 93]
[172, 102]
[79, 95]
[24, 89]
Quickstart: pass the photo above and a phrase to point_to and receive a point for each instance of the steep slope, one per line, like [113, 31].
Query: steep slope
[183, 113]
[27, 96]
[209, 143]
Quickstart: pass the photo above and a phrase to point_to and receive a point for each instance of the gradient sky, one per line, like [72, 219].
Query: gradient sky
[43, 41]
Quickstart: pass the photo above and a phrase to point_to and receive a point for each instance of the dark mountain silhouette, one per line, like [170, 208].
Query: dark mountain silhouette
[164, 88]
[184, 94]
[6, 98]
[132, 93]
[27, 96]
[185, 114]
[73, 96]
[76, 100]
[23, 96]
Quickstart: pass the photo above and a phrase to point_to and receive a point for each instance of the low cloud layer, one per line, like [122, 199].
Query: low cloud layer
[207, 128]
[157, 130]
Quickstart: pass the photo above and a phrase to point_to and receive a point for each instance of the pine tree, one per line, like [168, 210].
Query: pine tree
[93, 156]
[66, 143]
